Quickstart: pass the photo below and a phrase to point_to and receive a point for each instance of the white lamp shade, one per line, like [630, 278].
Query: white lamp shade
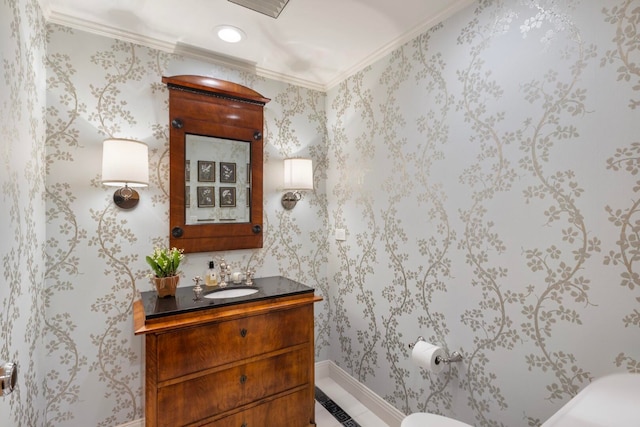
[298, 174]
[125, 162]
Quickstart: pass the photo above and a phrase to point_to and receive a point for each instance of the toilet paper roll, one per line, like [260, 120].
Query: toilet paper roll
[424, 355]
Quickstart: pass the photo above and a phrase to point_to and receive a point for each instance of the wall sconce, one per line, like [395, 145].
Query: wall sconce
[298, 175]
[8, 377]
[125, 164]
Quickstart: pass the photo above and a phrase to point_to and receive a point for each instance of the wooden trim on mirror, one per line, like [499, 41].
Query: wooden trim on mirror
[205, 106]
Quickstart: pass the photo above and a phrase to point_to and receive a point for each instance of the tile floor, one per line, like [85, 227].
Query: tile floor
[358, 414]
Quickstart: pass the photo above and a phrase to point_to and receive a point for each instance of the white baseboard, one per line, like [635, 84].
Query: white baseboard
[328, 369]
[380, 407]
[135, 423]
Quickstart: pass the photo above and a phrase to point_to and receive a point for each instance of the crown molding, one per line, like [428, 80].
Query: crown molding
[296, 81]
[454, 8]
[108, 31]
[189, 51]
[178, 48]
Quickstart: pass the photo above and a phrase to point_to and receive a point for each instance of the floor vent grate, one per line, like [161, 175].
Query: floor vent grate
[334, 409]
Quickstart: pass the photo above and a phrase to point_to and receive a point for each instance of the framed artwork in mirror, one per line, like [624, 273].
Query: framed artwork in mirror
[206, 197]
[227, 172]
[227, 197]
[206, 171]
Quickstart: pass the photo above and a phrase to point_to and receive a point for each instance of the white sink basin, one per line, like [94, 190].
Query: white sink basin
[231, 293]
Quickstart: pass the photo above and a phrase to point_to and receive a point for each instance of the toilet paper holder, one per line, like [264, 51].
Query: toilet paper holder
[453, 357]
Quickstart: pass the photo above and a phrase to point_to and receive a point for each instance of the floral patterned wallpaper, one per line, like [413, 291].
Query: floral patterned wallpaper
[22, 216]
[100, 87]
[492, 210]
[485, 173]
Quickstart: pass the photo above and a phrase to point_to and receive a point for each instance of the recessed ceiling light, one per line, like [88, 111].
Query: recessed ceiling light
[230, 34]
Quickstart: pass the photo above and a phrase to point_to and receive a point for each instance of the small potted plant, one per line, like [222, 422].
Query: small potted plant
[165, 262]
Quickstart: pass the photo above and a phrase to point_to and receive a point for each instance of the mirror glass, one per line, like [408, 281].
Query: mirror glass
[217, 180]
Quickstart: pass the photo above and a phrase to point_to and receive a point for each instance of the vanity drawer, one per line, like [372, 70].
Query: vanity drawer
[191, 350]
[291, 410]
[232, 388]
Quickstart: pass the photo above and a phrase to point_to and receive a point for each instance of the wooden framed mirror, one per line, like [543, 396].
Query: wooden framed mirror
[216, 159]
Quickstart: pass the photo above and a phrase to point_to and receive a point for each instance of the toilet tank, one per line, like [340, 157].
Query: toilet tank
[610, 401]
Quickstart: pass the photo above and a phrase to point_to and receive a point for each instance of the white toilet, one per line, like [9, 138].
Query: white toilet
[606, 402]
[423, 419]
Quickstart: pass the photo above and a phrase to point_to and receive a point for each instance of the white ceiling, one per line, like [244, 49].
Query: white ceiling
[313, 43]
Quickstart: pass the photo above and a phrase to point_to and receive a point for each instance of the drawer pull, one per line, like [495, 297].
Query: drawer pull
[243, 379]
[243, 332]
[244, 425]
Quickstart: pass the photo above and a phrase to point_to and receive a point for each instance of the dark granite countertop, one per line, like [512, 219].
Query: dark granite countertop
[268, 287]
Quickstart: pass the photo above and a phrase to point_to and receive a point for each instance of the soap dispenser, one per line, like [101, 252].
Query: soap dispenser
[211, 276]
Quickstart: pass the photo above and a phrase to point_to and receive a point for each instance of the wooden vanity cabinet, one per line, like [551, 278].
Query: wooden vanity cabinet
[248, 365]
